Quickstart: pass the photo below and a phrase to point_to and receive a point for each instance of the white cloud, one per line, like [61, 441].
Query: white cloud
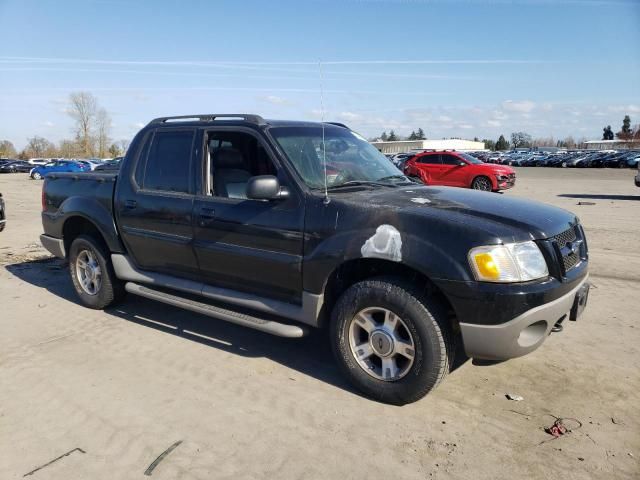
[524, 106]
[350, 116]
[137, 125]
[275, 100]
[465, 126]
[627, 109]
[444, 118]
[494, 123]
[48, 123]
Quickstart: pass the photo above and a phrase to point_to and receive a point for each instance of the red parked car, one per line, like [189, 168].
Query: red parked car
[457, 169]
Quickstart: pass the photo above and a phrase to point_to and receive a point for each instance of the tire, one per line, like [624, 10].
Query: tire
[482, 183]
[108, 290]
[421, 323]
[36, 176]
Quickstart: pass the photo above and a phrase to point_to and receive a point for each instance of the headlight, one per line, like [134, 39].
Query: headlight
[514, 262]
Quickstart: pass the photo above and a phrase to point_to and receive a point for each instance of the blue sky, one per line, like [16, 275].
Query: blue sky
[455, 68]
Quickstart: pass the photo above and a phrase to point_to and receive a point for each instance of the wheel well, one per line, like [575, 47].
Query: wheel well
[354, 271]
[482, 176]
[76, 226]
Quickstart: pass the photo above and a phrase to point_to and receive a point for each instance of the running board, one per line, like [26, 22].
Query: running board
[268, 326]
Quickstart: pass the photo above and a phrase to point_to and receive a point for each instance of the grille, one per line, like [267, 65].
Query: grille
[569, 259]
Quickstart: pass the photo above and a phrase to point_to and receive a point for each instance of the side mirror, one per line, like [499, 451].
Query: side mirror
[265, 187]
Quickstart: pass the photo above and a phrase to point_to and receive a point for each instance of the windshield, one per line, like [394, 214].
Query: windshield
[349, 157]
[470, 158]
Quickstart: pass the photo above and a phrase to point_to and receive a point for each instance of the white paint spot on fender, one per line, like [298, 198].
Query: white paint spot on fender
[386, 243]
[420, 200]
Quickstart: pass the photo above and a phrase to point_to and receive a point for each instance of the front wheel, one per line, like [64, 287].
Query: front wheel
[92, 273]
[482, 183]
[390, 340]
[36, 176]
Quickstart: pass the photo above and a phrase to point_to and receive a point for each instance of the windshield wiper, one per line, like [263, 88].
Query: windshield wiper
[356, 183]
[394, 177]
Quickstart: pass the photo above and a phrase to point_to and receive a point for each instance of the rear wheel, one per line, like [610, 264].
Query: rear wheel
[92, 273]
[390, 340]
[482, 183]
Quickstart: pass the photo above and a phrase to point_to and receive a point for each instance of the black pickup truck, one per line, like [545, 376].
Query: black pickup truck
[281, 226]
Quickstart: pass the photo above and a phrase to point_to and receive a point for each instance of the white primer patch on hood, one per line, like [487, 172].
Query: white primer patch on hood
[420, 200]
[386, 244]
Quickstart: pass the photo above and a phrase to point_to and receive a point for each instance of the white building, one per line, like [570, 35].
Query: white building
[448, 144]
[611, 144]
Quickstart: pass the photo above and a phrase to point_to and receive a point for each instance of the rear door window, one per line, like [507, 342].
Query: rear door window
[168, 165]
[430, 160]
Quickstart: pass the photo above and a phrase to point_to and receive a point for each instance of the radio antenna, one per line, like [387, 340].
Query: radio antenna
[324, 151]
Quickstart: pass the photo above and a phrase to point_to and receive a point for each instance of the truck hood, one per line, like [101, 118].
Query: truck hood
[502, 216]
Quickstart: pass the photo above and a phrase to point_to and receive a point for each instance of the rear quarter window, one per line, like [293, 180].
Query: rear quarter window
[168, 162]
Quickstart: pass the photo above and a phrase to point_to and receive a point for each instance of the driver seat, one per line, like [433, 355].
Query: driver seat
[229, 174]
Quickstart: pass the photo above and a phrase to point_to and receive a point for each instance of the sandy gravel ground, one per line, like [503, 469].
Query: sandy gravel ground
[117, 388]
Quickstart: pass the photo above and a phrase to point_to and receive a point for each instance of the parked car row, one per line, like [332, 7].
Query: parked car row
[37, 169]
[14, 166]
[564, 159]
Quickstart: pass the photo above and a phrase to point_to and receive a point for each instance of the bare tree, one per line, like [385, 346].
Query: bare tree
[520, 139]
[83, 108]
[69, 149]
[7, 150]
[38, 147]
[124, 145]
[103, 128]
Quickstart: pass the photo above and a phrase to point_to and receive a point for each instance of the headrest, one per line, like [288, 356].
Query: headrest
[227, 157]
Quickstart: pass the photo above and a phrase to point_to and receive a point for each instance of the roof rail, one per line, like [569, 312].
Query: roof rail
[210, 117]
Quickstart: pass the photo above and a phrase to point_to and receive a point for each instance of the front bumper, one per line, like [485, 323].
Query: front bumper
[505, 182]
[519, 336]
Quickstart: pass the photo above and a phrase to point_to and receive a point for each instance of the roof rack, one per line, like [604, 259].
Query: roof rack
[210, 117]
[338, 124]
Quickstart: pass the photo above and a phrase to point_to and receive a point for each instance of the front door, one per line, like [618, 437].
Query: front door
[154, 208]
[452, 173]
[247, 245]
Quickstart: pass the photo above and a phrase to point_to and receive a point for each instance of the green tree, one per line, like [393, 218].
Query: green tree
[490, 144]
[502, 143]
[7, 150]
[413, 136]
[625, 133]
[392, 137]
[114, 150]
[420, 135]
[384, 137]
[607, 133]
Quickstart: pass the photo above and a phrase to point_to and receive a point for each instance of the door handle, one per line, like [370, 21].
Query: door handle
[207, 215]
[131, 204]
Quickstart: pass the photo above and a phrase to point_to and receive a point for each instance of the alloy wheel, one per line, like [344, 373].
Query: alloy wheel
[88, 272]
[381, 343]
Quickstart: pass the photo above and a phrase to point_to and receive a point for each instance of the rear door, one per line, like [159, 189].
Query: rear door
[154, 204]
[430, 168]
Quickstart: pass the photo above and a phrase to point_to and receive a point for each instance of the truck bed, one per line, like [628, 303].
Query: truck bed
[88, 195]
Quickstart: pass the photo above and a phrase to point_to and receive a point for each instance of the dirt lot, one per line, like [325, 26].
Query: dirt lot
[122, 386]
